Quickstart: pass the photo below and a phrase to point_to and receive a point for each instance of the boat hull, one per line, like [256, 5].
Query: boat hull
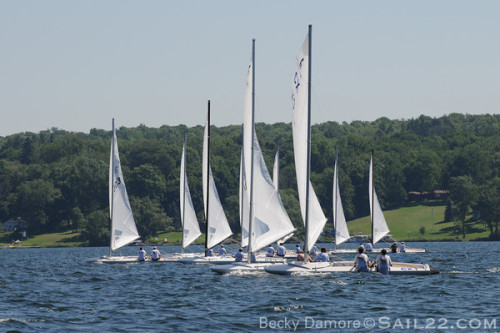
[298, 268]
[377, 250]
[241, 267]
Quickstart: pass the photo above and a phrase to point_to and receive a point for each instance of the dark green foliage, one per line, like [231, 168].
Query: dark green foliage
[57, 180]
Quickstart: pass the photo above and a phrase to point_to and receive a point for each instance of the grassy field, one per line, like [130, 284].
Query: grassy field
[58, 239]
[405, 224]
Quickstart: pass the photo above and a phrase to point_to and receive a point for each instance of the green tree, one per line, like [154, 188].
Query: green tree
[463, 194]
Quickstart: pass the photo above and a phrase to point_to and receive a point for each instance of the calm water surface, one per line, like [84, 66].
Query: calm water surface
[55, 290]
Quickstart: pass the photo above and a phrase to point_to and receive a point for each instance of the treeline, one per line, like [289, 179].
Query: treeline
[58, 180]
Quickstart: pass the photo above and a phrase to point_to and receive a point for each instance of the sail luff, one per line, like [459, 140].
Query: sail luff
[251, 216]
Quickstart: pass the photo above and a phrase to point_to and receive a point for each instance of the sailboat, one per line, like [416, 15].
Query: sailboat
[268, 220]
[276, 182]
[339, 221]
[379, 224]
[217, 226]
[312, 214]
[190, 227]
[123, 228]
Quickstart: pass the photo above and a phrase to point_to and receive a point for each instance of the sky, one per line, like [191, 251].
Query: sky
[75, 65]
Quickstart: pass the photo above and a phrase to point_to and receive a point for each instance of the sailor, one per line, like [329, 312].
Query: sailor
[301, 257]
[313, 250]
[270, 251]
[369, 247]
[402, 247]
[281, 250]
[222, 250]
[155, 254]
[394, 248]
[210, 253]
[322, 256]
[383, 262]
[361, 261]
[297, 248]
[142, 255]
[239, 255]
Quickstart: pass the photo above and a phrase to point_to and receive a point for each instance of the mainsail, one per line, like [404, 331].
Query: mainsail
[341, 232]
[218, 226]
[270, 220]
[190, 227]
[379, 225]
[312, 214]
[123, 228]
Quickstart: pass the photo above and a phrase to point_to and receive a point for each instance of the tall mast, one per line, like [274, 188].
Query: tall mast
[335, 194]
[250, 224]
[373, 198]
[112, 180]
[208, 179]
[306, 242]
[184, 190]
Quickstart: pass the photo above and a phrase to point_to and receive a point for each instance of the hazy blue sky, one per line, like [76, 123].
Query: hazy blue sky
[77, 64]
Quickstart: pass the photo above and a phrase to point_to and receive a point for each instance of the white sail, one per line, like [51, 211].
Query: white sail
[276, 170]
[341, 232]
[190, 227]
[301, 127]
[244, 204]
[379, 227]
[123, 228]
[218, 226]
[270, 219]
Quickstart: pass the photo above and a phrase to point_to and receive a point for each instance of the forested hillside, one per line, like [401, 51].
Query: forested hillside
[58, 180]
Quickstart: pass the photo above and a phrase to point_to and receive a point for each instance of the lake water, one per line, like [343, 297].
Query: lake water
[55, 290]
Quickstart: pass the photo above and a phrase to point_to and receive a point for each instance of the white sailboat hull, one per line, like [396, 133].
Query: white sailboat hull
[377, 250]
[216, 260]
[302, 268]
[129, 260]
[243, 267]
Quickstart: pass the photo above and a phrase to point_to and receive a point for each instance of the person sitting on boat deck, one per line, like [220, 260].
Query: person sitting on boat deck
[155, 254]
[239, 255]
[210, 253]
[368, 247]
[222, 250]
[301, 256]
[142, 255]
[281, 250]
[361, 261]
[313, 250]
[270, 251]
[383, 262]
[297, 248]
[322, 256]
[402, 247]
[394, 248]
